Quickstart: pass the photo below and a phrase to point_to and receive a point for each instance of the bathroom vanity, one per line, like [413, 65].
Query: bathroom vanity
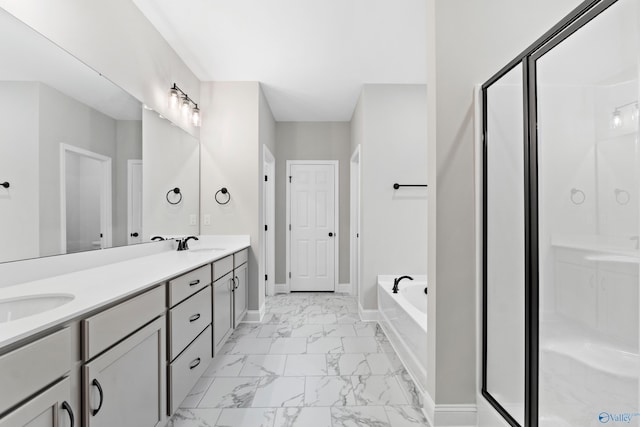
[125, 344]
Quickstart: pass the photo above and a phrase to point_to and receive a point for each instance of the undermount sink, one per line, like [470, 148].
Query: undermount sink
[18, 308]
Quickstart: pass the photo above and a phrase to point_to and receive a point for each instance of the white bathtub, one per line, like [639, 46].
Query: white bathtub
[403, 316]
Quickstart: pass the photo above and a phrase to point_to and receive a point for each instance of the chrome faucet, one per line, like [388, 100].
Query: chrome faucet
[396, 282]
[183, 244]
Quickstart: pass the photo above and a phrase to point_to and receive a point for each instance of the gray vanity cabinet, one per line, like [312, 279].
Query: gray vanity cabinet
[222, 310]
[125, 386]
[240, 292]
[50, 408]
[124, 375]
[189, 350]
[23, 374]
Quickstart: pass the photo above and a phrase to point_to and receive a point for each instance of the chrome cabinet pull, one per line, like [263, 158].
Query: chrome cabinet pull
[195, 282]
[194, 317]
[194, 363]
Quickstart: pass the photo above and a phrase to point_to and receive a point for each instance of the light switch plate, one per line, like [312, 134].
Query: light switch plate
[207, 219]
[193, 220]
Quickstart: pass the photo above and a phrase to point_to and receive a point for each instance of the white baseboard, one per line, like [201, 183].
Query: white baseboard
[344, 288]
[254, 316]
[464, 415]
[281, 288]
[367, 315]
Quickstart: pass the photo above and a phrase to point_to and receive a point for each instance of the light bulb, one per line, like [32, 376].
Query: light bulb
[195, 116]
[185, 105]
[173, 98]
[616, 120]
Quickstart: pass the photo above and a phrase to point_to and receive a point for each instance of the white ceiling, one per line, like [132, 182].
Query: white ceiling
[311, 56]
[28, 56]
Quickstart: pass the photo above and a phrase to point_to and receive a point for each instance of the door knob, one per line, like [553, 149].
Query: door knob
[134, 234]
[330, 234]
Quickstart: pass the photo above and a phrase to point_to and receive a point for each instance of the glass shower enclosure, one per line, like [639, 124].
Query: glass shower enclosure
[561, 224]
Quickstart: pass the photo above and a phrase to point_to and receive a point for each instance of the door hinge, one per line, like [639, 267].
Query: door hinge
[266, 178]
[289, 178]
[289, 275]
[266, 277]
[357, 235]
[289, 227]
[265, 227]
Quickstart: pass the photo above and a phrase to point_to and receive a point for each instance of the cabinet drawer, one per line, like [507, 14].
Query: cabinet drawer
[33, 367]
[222, 267]
[107, 328]
[187, 320]
[240, 258]
[185, 371]
[183, 286]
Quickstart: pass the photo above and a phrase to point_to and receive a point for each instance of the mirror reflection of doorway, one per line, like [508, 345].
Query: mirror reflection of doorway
[85, 200]
[134, 201]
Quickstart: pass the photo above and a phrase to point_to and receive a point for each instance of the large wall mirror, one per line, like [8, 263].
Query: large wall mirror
[71, 153]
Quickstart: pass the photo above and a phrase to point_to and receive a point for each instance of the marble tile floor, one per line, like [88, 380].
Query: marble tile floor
[310, 363]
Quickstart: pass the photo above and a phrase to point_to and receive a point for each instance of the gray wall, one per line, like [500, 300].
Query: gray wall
[390, 125]
[172, 158]
[117, 40]
[484, 36]
[312, 141]
[266, 138]
[65, 120]
[19, 166]
[230, 157]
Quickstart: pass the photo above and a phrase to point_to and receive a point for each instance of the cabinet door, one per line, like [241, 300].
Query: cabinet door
[125, 386]
[222, 309]
[240, 294]
[576, 292]
[618, 306]
[48, 409]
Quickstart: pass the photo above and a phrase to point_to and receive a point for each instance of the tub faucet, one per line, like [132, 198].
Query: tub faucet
[183, 244]
[396, 282]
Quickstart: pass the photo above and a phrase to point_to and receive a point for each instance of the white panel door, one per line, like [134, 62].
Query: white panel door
[313, 236]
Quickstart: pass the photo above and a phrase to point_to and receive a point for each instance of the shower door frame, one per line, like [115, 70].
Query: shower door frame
[579, 17]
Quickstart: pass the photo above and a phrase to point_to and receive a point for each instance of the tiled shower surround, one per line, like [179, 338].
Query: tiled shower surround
[310, 363]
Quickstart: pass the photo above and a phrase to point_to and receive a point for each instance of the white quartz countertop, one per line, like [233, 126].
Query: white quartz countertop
[599, 244]
[100, 286]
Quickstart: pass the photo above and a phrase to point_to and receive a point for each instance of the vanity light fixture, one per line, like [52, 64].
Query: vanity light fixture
[173, 96]
[616, 118]
[178, 97]
[195, 116]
